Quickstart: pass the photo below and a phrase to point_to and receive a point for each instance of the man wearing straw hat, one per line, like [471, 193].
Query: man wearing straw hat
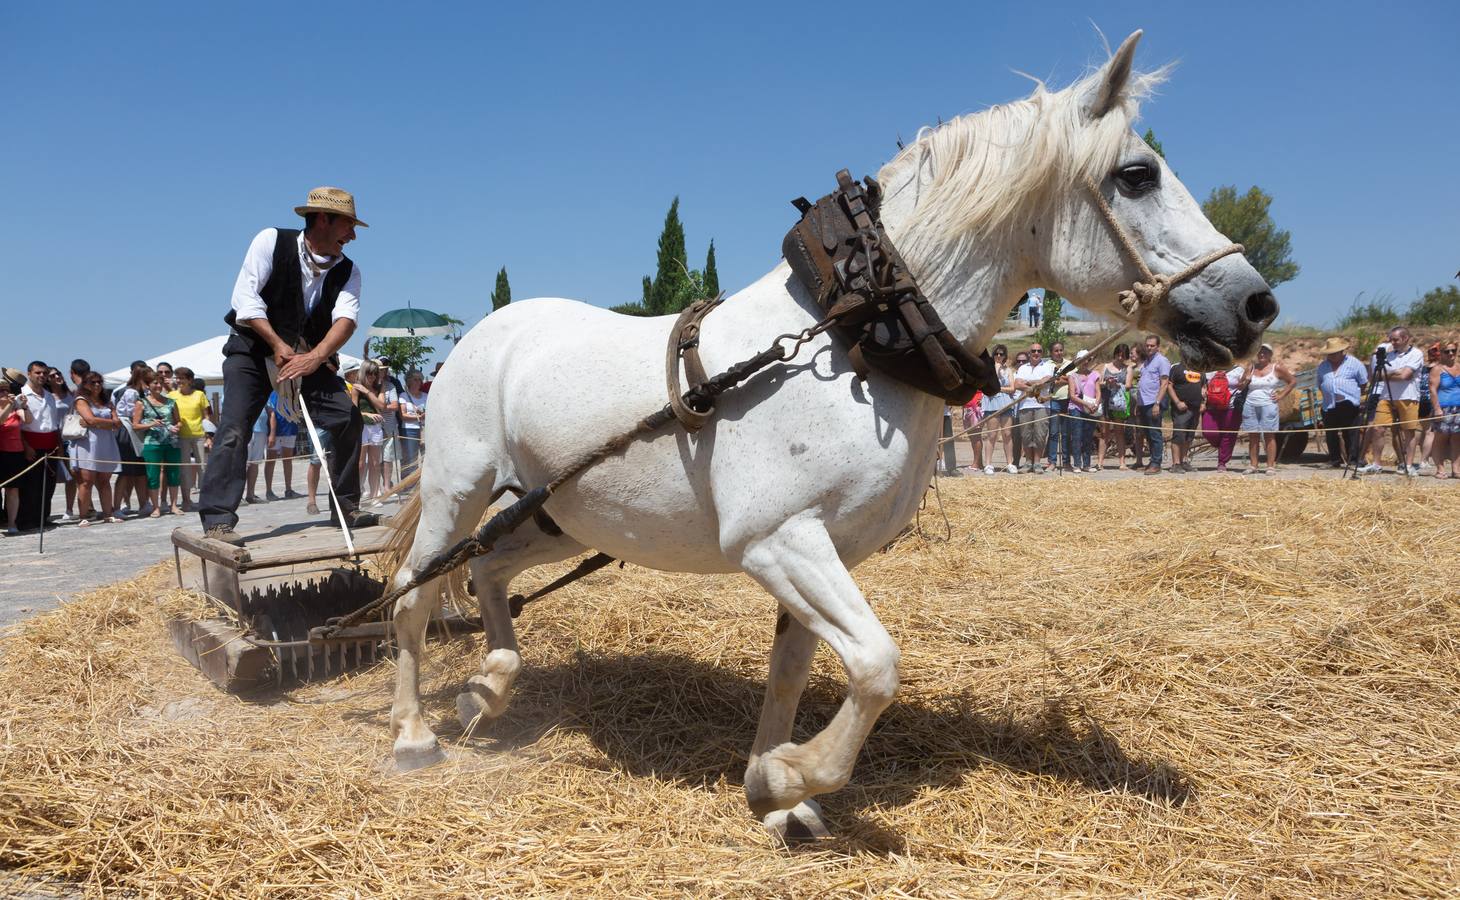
[296, 301]
[1341, 380]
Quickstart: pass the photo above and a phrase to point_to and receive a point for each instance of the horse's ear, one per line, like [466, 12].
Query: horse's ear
[1111, 84]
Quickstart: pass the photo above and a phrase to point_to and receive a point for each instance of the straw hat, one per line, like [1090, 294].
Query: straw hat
[331, 200]
[1333, 345]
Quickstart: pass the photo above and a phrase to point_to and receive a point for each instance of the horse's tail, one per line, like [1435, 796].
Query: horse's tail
[397, 552]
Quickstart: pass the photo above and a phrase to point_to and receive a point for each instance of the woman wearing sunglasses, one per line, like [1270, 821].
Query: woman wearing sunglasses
[1445, 391]
[97, 455]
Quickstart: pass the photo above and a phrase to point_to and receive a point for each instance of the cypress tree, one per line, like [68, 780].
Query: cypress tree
[670, 279]
[502, 293]
[648, 290]
[712, 277]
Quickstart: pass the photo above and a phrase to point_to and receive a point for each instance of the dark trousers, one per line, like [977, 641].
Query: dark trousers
[37, 487]
[1150, 416]
[1060, 432]
[1343, 446]
[246, 389]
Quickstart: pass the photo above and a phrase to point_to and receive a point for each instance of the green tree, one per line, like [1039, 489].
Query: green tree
[1150, 138]
[648, 292]
[1440, 306]
[712, 277]
[400, 353]
[1245, 220]
[502, 293]
[1051, 320]
[669, 286]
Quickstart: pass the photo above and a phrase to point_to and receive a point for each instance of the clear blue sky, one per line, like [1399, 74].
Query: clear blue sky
[146, 143]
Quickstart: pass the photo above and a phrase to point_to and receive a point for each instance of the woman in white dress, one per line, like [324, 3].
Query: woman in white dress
[995, 424]
[1266, 382]
[97, 456]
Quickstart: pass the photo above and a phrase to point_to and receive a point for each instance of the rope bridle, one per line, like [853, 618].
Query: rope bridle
[1150, 289]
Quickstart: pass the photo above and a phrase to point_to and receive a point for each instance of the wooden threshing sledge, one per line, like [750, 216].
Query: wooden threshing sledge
[269, 594]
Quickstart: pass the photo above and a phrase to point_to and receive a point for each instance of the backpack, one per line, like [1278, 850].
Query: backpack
[1219, 392]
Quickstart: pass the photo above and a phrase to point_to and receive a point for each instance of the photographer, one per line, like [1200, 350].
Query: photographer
[1396, 400]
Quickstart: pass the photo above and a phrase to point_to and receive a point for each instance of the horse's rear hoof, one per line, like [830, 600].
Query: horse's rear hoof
[471, 712]
[409, 758]
[798, 825]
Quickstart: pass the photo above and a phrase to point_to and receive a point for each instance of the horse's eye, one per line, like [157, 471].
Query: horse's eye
[1138, 178]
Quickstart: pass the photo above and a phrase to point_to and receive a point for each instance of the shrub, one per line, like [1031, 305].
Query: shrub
[1440, 306]
[1379, 311]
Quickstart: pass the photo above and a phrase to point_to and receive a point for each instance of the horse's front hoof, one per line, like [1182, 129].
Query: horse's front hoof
[410, 757]
[772, 784]
[798, 825]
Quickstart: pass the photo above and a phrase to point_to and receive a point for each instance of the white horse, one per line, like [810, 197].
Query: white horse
[805, 470]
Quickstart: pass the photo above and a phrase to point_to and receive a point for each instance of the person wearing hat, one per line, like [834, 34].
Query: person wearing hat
[1341, 381]
[295, 303]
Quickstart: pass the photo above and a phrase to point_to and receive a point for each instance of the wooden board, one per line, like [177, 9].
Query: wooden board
[287, 545]
[218, 651]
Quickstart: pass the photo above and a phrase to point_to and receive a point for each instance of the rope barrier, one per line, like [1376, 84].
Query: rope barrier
[1197, 427]
[16, 477]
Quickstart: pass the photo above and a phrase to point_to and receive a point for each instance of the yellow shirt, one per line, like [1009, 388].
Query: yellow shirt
[190, 408]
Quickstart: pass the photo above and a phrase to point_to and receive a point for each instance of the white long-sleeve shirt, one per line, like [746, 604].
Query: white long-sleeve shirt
[258, 265]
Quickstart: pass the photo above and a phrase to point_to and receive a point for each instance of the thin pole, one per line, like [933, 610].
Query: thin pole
[324, 471]
[41, 548]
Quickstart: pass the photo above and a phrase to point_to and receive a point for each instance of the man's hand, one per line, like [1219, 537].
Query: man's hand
[1181, 406]
[29, 453]
[298, 365]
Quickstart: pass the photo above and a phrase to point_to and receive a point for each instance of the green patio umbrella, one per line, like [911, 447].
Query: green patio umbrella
[410, 322]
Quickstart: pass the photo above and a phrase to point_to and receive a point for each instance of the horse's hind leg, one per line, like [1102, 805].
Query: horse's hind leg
[486, 694]
[446, 517]
[798, 564]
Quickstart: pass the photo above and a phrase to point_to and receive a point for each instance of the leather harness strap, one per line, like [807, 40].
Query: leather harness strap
[684, 343]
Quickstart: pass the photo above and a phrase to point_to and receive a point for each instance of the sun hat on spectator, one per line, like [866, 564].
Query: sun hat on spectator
[1334, 345]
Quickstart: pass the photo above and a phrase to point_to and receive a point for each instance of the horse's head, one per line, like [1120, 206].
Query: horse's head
[990, 204]
[1219, 312]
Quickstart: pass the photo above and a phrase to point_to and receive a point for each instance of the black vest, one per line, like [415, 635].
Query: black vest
[283, 296]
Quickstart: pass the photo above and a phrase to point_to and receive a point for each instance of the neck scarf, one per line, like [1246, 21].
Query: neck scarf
[316, 268]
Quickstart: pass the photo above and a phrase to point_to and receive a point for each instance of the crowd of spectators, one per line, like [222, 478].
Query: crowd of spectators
[138, 450]
[1086, 416]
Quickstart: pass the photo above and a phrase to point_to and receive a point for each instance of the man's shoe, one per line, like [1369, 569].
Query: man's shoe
[953, 473]
[1153, 470]
[292, 495]
[251, 498]
[1186, 466]
[271, 495]
[224, 533]
[1370, 469]
[358, 519]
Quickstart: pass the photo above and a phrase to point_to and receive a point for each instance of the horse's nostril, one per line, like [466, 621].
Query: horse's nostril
[1260, 308]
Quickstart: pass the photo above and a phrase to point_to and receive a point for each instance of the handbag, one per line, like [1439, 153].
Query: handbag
[73, 429]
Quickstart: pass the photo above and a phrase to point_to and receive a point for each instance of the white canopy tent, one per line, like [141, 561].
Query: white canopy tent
[205, 358]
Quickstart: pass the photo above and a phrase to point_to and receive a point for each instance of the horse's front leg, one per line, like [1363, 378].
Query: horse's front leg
[799, 565]
[791, 655]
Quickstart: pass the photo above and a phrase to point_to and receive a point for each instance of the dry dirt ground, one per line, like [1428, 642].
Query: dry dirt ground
[1156, 687]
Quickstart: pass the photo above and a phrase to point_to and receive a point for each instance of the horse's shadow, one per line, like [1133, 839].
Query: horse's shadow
[680, 718]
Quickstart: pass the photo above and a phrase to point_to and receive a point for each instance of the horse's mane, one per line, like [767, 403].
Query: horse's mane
[981, 172]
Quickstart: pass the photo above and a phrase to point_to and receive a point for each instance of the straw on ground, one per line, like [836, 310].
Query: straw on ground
[1166, 688]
